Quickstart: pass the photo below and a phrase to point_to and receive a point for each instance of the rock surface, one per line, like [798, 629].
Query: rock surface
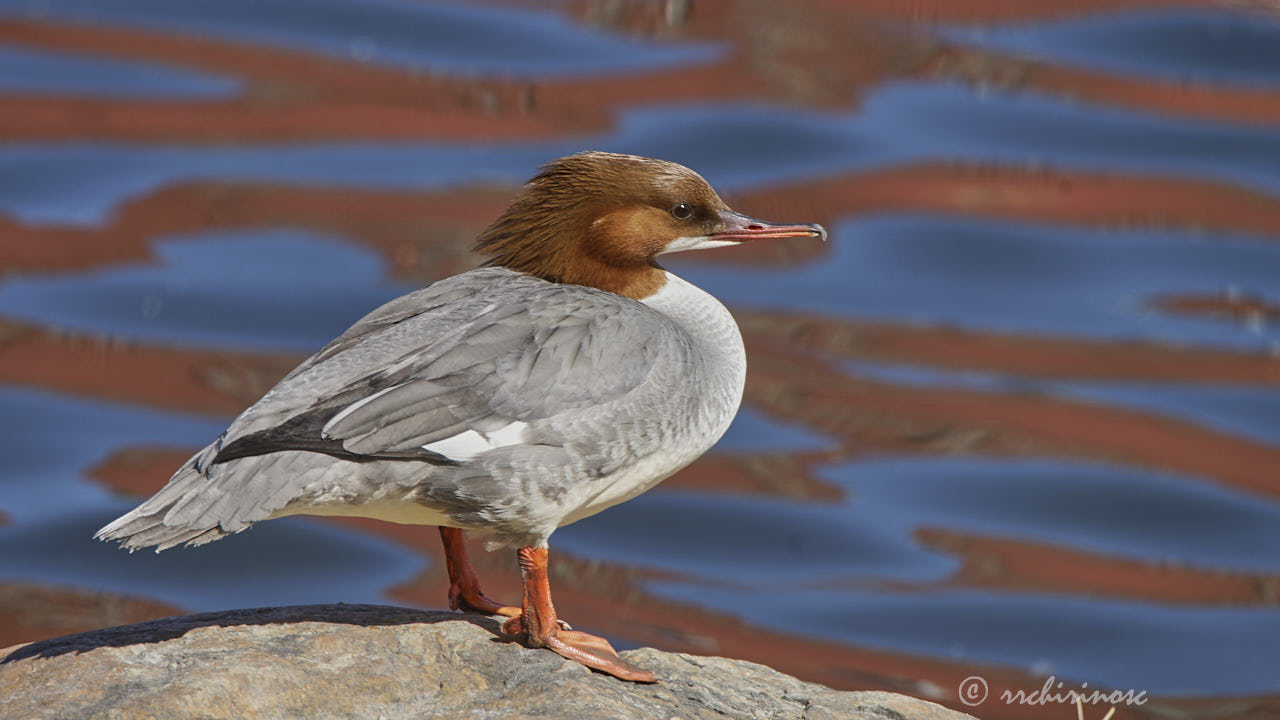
[364, 661]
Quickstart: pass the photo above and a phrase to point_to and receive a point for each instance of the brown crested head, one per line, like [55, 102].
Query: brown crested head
[601, 219]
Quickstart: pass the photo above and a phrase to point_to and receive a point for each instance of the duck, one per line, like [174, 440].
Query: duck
[568, 373]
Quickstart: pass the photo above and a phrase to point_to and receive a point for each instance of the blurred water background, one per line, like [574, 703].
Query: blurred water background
[1020, 417]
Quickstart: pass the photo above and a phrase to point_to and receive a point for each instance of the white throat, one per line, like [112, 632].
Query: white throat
[698, 242]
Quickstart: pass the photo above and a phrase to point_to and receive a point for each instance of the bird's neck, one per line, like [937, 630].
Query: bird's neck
[711, 328]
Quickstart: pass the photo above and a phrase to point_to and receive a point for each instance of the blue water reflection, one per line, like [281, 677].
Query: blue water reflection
[755, 541]
[897, 123]
[267, 289]
[1014, 277]
[1100, 509]
[49, 441]
[753, 431]
[1243, 410]
[398, 33]
[1110, 510]
[1107, 643]
[1175, 44]
[795, 567]
[290, 561]
[36, 72]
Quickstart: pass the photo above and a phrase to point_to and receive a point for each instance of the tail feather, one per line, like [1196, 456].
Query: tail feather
[156, 522]
[204, 502]
[238, 501]
[190, 537]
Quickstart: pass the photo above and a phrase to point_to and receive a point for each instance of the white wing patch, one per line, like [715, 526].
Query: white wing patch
[466, 445]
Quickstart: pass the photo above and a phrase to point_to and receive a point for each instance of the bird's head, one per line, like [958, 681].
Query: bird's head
[602, 219]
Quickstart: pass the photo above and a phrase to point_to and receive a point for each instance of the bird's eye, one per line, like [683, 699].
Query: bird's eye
[683, 211]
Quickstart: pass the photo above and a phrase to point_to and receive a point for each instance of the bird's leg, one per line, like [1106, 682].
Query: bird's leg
[538, 626]
[464, 585]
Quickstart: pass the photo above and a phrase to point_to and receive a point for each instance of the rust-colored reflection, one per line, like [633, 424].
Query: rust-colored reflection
[35, 612]
[816, 56]
[815, 53]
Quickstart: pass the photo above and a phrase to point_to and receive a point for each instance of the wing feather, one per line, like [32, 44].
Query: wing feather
[491, 348]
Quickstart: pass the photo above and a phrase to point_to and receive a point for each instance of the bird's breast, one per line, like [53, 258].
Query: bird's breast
[693, 406]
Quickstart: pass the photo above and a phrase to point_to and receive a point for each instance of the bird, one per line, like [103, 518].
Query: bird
[566, 374]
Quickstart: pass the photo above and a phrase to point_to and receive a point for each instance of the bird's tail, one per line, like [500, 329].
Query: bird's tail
[164, 520]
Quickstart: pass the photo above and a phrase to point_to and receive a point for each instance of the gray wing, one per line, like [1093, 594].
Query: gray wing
[474, 353]
[498, 352]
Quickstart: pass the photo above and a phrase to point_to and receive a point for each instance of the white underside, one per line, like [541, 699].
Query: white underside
[591, 498]
[348, 489]
[404, 511]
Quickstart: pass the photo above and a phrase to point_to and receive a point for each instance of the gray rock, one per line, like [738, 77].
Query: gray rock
[365, 661]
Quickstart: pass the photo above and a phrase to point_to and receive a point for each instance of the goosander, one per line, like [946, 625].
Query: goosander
[568, 374]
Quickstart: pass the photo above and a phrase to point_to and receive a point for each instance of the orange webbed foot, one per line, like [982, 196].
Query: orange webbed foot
[538, 625]
[460, 599]
[590, 650]
[596, 652]
[464, 586]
